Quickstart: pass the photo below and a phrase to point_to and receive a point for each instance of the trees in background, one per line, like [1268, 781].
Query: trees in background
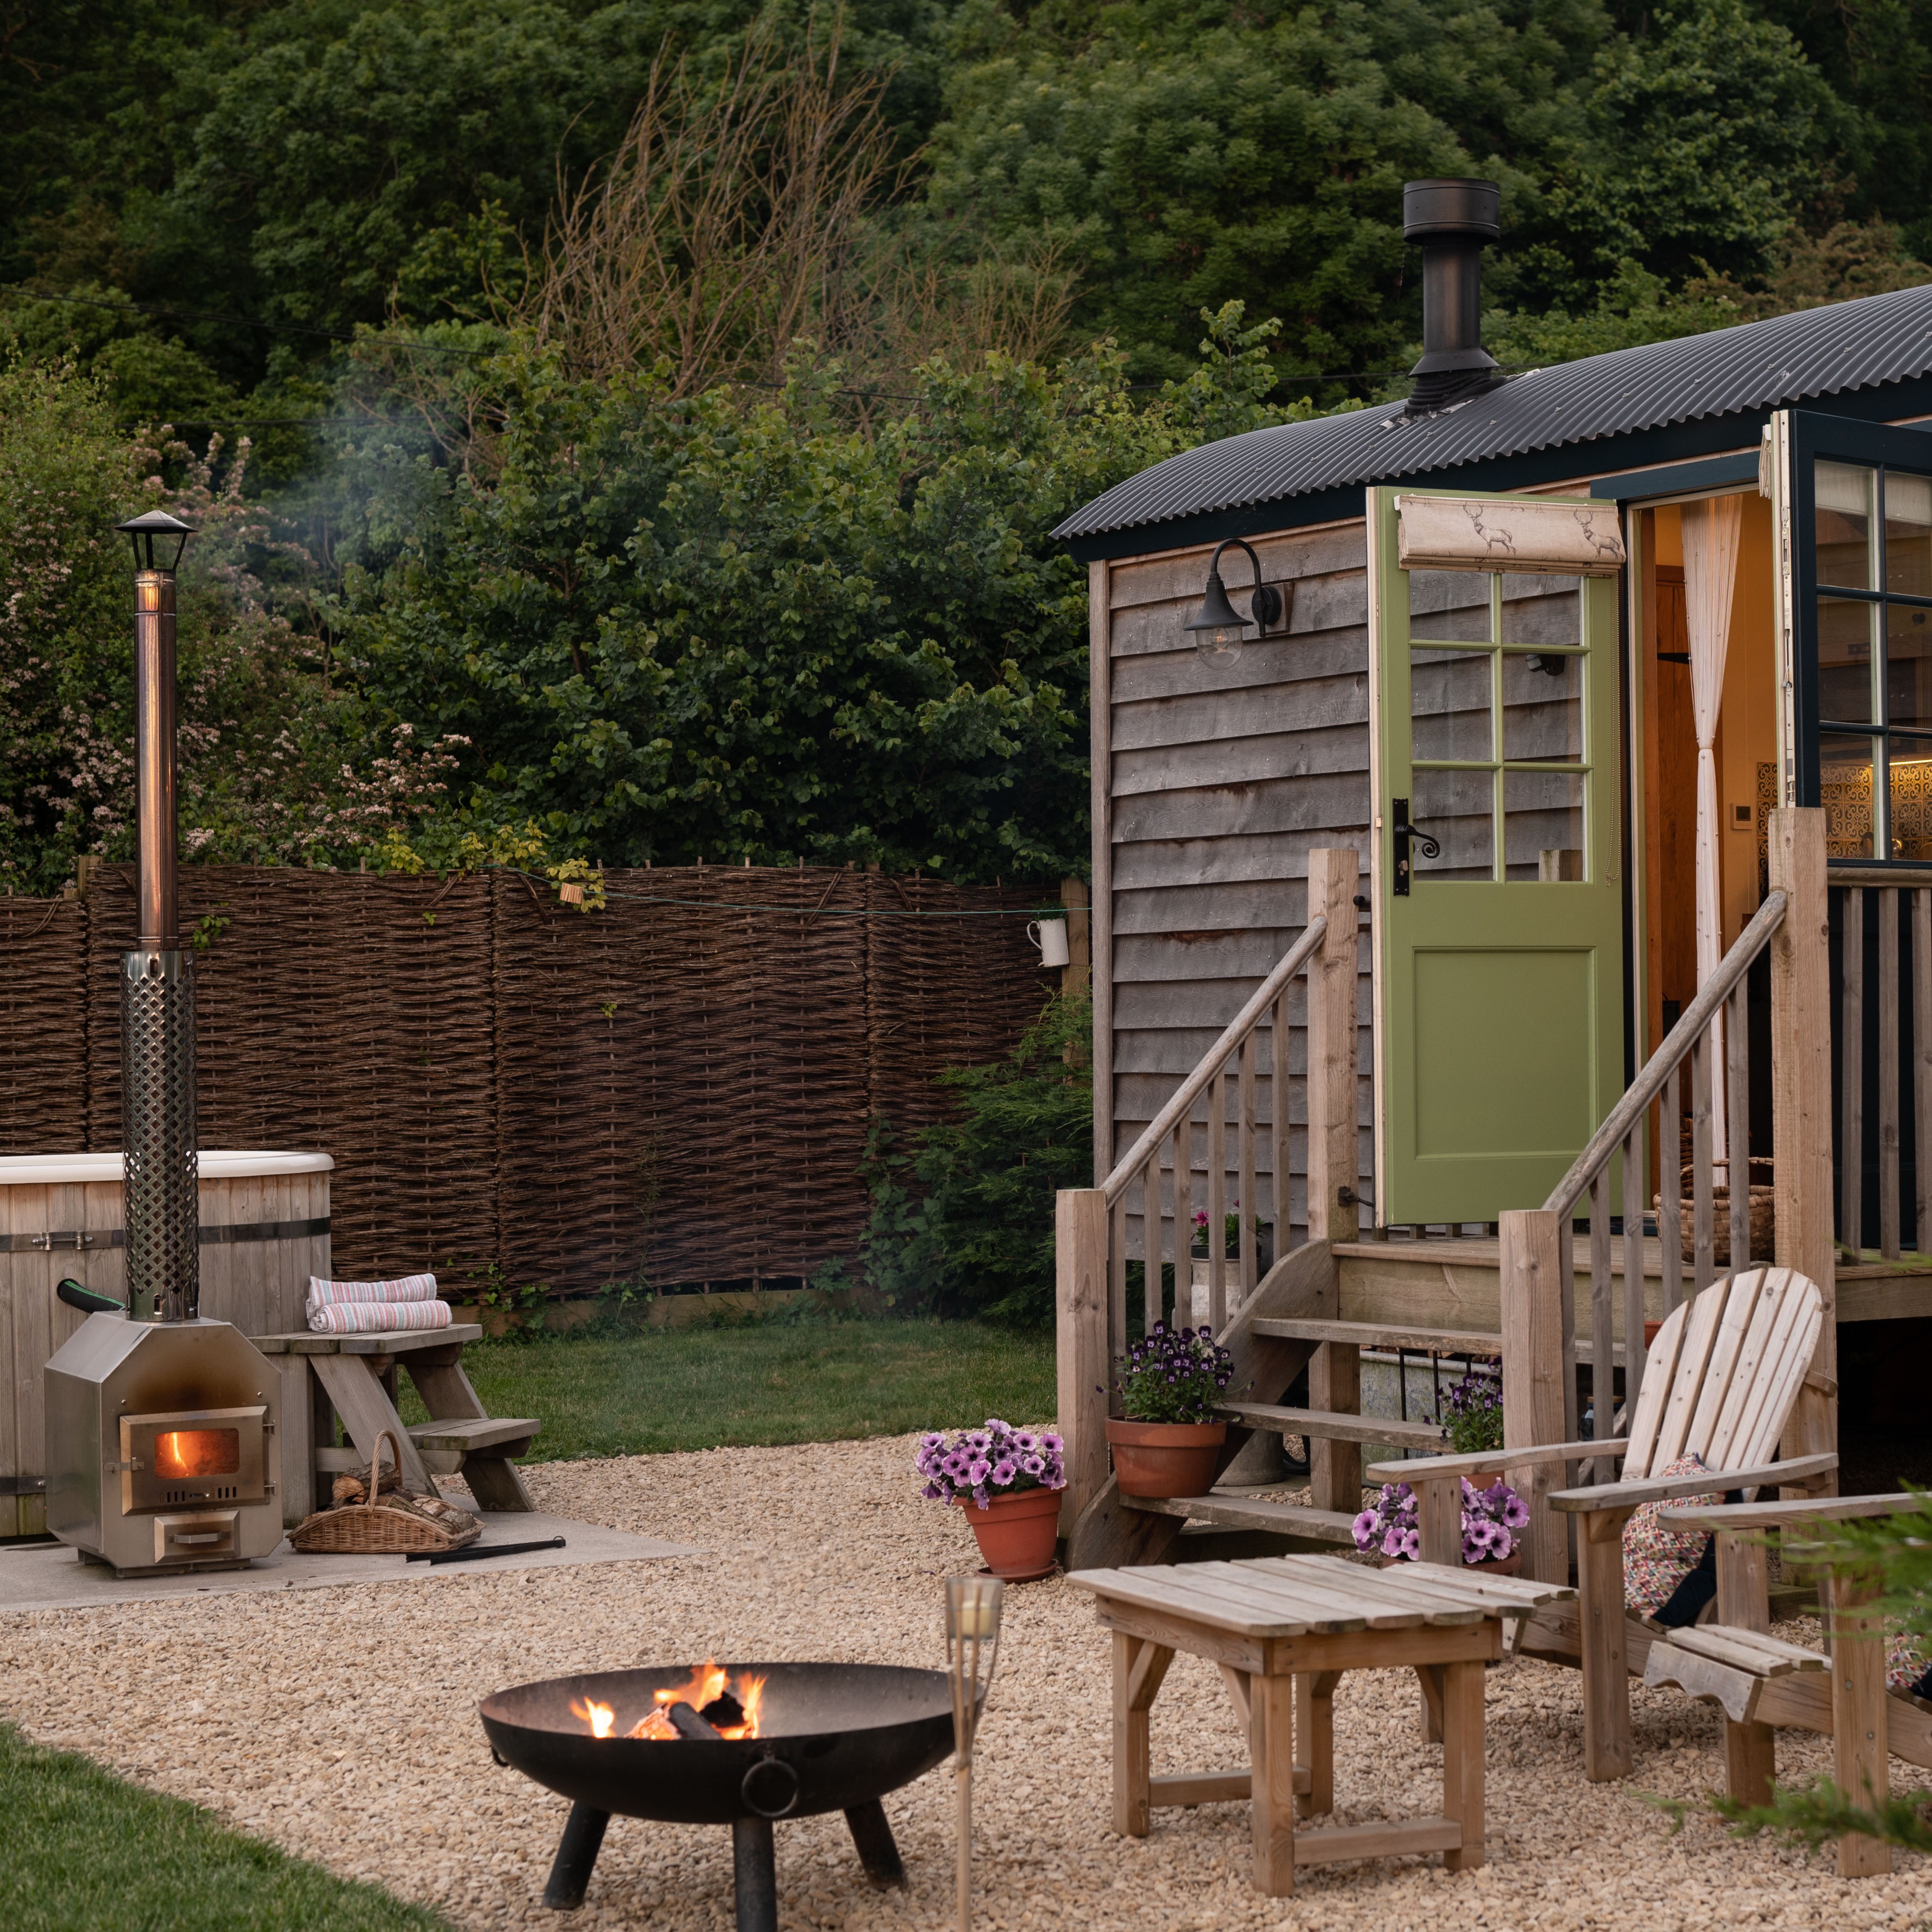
[655, 413]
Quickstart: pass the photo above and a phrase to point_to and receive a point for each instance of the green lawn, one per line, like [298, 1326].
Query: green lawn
[83, 1851]
[758, 1383]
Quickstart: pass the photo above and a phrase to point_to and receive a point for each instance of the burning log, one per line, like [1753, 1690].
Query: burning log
[723, 1710]
[689, 1723]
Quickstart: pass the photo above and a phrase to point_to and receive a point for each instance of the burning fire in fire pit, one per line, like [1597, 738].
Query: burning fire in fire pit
[729, 1708]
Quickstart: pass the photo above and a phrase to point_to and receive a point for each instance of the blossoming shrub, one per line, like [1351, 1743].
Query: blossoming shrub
[1174, 1375]
[997, 1460]
[1471, 1420]
[1491, 1518]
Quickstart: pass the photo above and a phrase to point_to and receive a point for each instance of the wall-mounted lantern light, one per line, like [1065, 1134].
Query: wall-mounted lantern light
[1218, 627]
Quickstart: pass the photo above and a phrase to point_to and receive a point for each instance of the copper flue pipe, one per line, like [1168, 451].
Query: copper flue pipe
[154, 817]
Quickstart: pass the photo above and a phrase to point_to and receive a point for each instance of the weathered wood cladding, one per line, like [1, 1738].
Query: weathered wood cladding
[1220, 783]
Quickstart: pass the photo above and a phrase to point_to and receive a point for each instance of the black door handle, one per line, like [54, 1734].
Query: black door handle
[1403, 831]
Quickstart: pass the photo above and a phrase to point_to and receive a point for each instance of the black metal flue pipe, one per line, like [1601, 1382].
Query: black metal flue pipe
[1451, 221]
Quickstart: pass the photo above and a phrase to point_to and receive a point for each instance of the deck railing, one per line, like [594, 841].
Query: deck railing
[1541, 1343]
[1868, 1089]
[1627, 1134]
[1158, 1177]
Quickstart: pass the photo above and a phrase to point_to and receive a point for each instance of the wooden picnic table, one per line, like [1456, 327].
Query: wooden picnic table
[1283, 1630]
[355, 1377]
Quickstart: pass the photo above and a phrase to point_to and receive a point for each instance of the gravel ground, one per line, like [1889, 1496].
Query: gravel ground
[339, 1723]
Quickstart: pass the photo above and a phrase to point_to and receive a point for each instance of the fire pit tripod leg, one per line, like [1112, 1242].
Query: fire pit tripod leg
[878, 1853]
[576, 1854]
[755, 1873]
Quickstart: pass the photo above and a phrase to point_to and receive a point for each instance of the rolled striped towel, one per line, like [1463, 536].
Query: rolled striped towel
[376, 1318]
[407, 1288]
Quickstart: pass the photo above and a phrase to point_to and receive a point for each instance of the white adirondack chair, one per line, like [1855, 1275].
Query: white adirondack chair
[1719, 1382]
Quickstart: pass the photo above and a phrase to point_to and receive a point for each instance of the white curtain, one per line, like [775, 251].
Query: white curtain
[1711, 535]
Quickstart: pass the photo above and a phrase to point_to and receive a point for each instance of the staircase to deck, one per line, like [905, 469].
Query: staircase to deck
[1543, 1295]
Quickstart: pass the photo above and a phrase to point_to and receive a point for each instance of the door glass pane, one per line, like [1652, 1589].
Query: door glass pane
[1910, 793]
[1449, 696]
[1450, 604]
[1843, 512]
[1908, 533]
[1845, 659]
[1542, 609]
[1845, 774]
[1542, 824]
[1457, 809]
[1908, 664]
[1542, 706]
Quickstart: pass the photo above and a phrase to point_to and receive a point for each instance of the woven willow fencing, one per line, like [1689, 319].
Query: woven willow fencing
[516, 1090]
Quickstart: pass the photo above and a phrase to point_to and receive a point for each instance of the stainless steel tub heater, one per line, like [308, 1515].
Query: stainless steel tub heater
[162, 1453]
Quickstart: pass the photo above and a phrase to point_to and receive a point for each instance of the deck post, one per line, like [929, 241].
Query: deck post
[1334, 1375]
[1533, 1260]
[1334, 878]
[1080, 1266]
[1801, 1106]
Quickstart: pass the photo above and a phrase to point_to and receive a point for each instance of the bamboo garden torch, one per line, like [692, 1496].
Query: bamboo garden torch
[972, 1651]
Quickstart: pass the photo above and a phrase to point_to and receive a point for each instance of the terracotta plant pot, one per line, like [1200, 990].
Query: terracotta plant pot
[1165, 1459]
[1017, 1532]
[1650, 1333]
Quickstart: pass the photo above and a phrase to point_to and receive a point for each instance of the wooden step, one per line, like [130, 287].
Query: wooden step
[1335, 1427]
[1376, 1335]
[467, 1434]
[1319, 1525]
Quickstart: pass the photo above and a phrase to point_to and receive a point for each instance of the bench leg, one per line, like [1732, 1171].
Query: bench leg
[1271, 1804]
[1859, 1729]
[1315, 1737]
[1139, 1666]
[1607, 1753]
[1429, 1676]
[495, 1483]
[1462, 1760]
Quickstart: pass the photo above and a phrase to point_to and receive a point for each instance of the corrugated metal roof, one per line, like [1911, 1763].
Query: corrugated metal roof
[1754, 367]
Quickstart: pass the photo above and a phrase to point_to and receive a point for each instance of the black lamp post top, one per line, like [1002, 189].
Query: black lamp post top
[142, 530]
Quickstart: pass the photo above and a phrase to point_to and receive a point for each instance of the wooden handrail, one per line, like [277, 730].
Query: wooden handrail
[1644, 1089]
[1214, 1059]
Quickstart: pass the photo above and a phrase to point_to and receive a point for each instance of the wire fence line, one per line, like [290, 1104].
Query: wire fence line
[515, 1091]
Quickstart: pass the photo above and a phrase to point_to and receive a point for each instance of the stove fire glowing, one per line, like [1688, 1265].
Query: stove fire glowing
[729, 1705]
[180, 1453]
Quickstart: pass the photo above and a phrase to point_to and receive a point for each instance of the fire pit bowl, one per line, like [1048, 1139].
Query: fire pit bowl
[831, 1737]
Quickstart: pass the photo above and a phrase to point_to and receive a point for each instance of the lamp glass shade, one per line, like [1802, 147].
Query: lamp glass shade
[1218, 626]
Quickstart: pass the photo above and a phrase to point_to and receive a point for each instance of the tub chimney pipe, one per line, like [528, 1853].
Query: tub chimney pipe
[161, 1185]
[1451, 221]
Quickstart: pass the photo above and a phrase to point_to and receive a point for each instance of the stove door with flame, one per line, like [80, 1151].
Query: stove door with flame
[193, 1458]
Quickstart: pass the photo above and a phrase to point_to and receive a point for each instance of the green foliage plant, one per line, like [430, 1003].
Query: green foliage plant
[962, 1220]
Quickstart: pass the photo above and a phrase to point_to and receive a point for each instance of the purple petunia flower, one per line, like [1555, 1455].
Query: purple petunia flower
[1003, 1473]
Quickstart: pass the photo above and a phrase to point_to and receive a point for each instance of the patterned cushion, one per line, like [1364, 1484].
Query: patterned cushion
[1657, 1559]
[1907, 1664]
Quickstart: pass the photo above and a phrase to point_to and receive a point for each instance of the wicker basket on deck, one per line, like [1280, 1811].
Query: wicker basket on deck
[1763, 1218]
[395, 1524]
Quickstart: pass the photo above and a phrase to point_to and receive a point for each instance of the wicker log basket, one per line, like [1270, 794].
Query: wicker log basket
[1763, 1217]
[393, 1524]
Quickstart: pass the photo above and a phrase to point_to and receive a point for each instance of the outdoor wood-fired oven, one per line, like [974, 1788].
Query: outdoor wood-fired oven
[161, 1447]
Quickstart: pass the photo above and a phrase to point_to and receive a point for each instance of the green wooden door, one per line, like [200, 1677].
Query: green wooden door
[1498, 923]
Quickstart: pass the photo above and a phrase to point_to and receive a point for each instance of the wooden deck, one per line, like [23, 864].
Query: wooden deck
[1452, 1283]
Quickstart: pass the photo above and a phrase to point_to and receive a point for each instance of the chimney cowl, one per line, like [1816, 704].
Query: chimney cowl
[1432, 207]
[1450, 221]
